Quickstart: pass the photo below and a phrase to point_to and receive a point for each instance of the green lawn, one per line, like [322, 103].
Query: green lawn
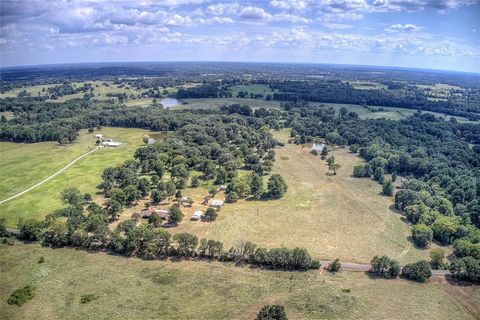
[131, 288]
[252, 88]
[25, 164]
[208, 103]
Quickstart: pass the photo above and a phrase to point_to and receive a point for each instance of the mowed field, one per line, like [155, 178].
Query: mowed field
[213, 103]
[131, 288]
[23, 165]
[331, 216]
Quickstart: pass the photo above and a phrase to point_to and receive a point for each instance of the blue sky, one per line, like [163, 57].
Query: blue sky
[437, 34]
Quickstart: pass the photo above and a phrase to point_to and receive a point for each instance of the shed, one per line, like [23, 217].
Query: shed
[99, 136]
[163, 214]
[216, 203]
[223, 187]
[197, 215]
[317, 147]
[111, 143]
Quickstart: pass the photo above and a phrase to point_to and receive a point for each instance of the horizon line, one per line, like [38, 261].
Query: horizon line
[246, 62]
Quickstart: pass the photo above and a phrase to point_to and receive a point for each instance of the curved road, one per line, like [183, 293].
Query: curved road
[52, 176]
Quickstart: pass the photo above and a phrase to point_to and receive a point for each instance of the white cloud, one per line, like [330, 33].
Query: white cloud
[220, 9]
[402, 27]
[254, 13]
[289, 4]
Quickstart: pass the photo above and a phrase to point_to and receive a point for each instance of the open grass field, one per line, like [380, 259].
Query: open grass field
[23, 165]
[367, 85]
[252, 88]
[207, 103]
[331, 216]
[130, 288]
[388, 113]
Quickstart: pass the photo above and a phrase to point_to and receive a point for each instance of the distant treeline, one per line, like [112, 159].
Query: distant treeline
[398, 95]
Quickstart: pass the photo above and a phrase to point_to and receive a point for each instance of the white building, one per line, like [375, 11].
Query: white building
[111, 143]
[317, 147]
[197, 215]
[216, 203]
[99, 136]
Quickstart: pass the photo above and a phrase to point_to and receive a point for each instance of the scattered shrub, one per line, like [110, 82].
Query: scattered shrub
[272, 312]
[20, 296]
[86, 298]
[334, 266]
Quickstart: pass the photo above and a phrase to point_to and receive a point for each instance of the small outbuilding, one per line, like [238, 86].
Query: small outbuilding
[197, 215]
[111, 144]
[163, 214]
[216, 203]
[317, 147]
[223, 187]
[99, 136]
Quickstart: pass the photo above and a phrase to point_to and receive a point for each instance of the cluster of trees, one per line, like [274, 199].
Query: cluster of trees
[241, 187]
[388, 268]
[86, 226]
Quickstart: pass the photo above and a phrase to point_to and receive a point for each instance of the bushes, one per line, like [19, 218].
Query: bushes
[422, 235]
[276, 186]
[334, 266]
[22, 295]
[30, 229]
[385, 267]
[211, 214]
[417, 271]
[467, 268]
[86, 298]
[272, 312]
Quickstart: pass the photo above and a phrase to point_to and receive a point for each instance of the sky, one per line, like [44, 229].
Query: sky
[431, 34]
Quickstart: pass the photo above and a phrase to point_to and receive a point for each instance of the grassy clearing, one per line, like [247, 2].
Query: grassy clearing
[253, 88]
[25, 164]
[212, 103]
[130, 288]
[367, 85]
[331, 216]
[33, 90]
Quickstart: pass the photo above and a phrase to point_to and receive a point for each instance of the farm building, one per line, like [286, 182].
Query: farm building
[99, 136]
[111, 143]
[216, 203]
[317, 147]
[197, 215]
[163, 214]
